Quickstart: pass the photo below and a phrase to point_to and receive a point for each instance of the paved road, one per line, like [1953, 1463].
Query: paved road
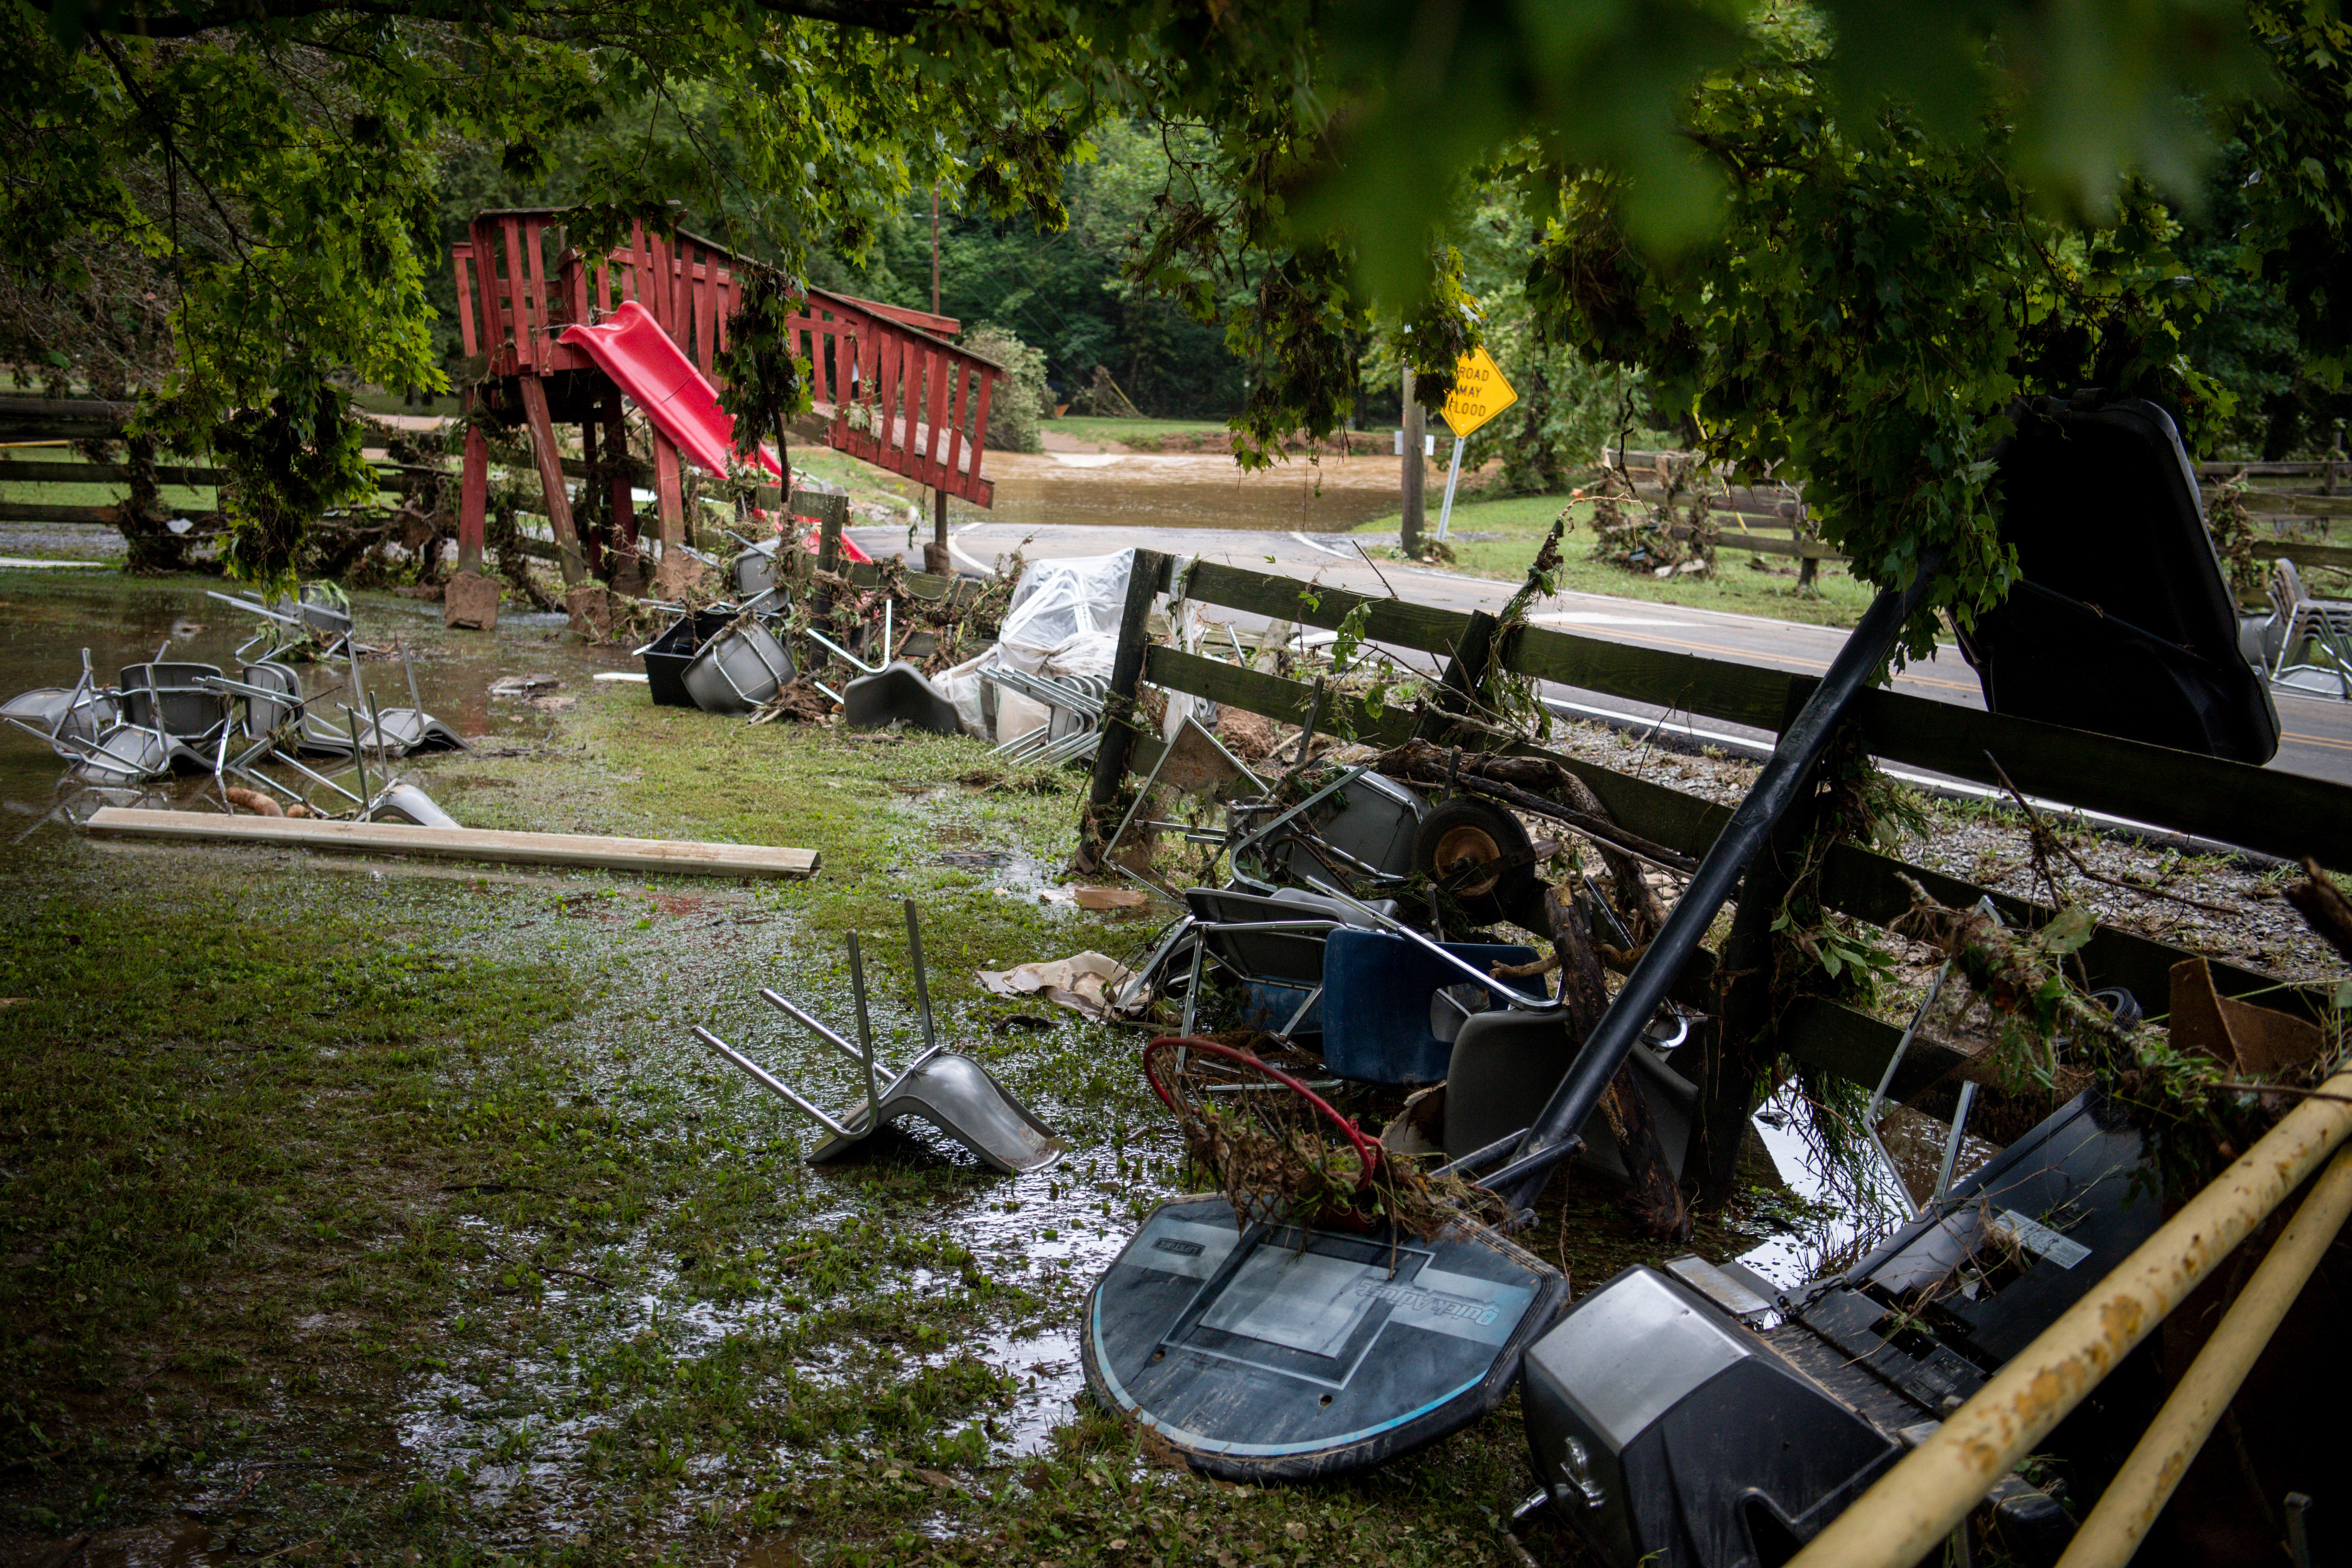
[2318, 731]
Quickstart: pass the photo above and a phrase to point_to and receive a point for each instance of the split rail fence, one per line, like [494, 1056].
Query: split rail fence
[2269, 811]
[2291, 506]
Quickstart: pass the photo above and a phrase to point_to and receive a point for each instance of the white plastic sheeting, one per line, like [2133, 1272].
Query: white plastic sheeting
[1063, 620]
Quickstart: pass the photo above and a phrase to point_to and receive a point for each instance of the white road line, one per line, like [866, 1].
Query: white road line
[1326, 549]
[1596, 619]
[27, 564]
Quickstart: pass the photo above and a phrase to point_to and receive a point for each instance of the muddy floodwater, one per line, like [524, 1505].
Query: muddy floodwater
[1190, 490]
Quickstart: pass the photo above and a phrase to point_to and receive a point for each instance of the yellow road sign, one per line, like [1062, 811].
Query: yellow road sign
[1479, 393]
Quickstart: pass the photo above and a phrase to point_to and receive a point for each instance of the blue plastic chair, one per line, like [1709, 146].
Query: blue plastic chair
[1382, 1008]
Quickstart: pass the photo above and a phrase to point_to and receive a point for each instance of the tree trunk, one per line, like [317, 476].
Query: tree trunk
[1653, 1201]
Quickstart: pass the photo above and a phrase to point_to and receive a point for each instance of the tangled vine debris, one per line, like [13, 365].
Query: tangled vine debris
[1281, 1154]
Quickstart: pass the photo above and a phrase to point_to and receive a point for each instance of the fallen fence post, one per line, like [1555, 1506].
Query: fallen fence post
[1145, 580]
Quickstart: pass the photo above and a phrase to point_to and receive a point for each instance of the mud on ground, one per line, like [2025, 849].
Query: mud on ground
[363, 1211]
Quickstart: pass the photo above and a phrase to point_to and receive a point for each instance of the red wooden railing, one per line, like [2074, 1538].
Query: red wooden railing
[901, 397]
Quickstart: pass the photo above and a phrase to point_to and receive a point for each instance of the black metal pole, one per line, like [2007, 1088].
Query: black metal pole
[1554, 1135]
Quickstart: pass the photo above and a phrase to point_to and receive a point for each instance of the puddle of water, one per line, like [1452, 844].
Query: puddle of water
[45, 625]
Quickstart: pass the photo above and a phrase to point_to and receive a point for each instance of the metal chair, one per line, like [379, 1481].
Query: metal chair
[178, 699]
[2309, 641]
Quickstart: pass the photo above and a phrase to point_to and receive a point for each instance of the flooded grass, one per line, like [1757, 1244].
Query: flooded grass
[361, 1210]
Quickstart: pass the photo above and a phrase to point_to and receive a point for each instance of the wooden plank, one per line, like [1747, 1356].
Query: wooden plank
[551, 478]
[2306, 554]
[1277, 699]
[1800, 548]
[706, 323]
[19, 472]
[542, 312]
[576, 849]
[2265, 809]
[961, 376]
[1867, 886]
[974, 488]
[518, 298]
[61, 418]
[43, 511]
[935, 382]
[461, 257]
[473, 494]
[1393, 621]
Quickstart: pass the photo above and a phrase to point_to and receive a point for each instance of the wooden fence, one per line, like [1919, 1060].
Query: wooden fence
[2259, 809]
[2291, 505]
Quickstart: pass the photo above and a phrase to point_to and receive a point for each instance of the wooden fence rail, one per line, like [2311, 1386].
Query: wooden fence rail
[2262, 809]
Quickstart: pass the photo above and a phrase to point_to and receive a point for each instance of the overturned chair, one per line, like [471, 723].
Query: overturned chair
[947, 1088]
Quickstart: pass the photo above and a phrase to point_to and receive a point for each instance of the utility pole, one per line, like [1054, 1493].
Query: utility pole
[935, 251]
[1409, 538]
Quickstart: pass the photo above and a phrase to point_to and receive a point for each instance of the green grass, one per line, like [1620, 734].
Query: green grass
[1145, 435]
[393, 1208]
[1743, 581]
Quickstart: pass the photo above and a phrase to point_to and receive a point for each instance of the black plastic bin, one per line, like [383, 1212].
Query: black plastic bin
[667, 655]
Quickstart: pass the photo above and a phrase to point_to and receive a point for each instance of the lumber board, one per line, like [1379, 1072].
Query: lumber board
[1395, 621]
[47, 511]
[584, 850]
[1284, 700]
[20, 472]
[2263, 809]
[2304, 555]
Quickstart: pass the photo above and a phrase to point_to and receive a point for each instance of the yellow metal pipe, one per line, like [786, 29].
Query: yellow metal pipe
[1915, 1505]
[2127, 1509]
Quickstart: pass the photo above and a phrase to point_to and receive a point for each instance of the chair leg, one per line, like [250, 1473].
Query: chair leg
[1192, 987]
[1283, 1033]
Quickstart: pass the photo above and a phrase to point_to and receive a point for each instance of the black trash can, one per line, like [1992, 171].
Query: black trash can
[667, 655]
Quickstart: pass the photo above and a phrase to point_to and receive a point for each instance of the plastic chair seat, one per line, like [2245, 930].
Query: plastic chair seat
[1378, 998]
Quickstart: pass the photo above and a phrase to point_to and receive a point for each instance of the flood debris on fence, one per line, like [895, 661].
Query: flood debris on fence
[1354, 974]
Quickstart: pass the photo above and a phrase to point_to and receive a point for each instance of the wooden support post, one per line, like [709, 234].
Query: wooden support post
[549, 459]
[828, 540]
[670, 508]
[1145, 580]
[591, 540]
[629, 571]
[936, 560]
[1744, 1037]
[473, 494]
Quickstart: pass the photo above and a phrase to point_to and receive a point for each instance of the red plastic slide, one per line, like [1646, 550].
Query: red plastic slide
[630, 346]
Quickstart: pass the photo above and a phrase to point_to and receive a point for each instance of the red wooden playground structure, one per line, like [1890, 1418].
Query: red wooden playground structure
[895, 392]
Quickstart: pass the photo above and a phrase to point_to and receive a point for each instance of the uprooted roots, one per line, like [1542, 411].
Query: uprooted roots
[1282, 1155]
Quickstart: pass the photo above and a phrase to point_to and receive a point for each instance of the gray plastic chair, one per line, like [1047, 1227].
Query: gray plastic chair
[2308, 644]
[192, 710]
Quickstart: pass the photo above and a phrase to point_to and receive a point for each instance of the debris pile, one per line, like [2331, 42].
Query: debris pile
[253, 733]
